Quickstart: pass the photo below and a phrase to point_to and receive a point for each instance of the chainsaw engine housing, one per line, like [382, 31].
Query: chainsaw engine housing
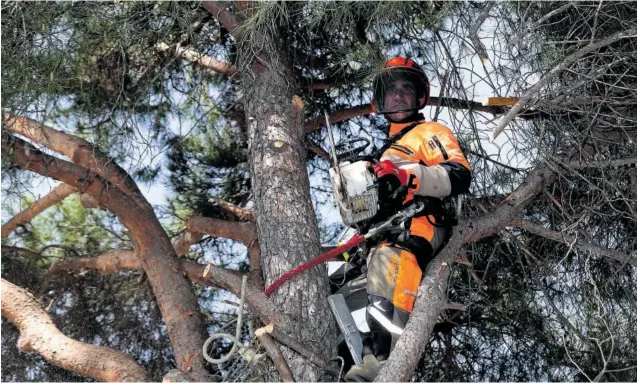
[356, 191]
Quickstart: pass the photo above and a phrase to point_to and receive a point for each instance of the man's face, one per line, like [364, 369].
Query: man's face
[400, 94]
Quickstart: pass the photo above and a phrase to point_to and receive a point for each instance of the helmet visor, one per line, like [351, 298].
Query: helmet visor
[385, 81]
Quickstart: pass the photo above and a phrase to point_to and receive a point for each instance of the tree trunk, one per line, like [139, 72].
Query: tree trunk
[286, 222]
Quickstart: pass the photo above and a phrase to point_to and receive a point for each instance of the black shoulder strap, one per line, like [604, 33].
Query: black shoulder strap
[392, 140]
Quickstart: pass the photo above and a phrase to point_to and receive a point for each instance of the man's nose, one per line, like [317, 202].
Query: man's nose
[398, 94]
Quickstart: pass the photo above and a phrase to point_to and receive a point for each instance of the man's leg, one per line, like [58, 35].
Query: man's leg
[393, 277]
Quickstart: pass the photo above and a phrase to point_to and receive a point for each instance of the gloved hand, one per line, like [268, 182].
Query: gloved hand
[390, 178]
[389, 169]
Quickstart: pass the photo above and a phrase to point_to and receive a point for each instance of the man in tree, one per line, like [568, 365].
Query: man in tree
[423, 159]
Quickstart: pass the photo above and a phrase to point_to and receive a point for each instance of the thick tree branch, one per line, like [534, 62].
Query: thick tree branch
[56, 195]
[345, 114]
[88, 202]
[39, 334]
[77, 149]
[183, 243]
[432, 297]
[569, 60]
[239, 212]
[573, 240]
[176, 299]
[219, 10]
[199, 59]
[244, 232]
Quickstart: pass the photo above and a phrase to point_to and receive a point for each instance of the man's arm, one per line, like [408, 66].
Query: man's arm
[444, 170]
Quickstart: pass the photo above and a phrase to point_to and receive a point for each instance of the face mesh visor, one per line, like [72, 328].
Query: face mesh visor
[385, 81]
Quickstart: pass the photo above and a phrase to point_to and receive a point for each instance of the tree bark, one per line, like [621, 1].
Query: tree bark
[39, 334]
[56, 195]
[286, 222]
[174, 294]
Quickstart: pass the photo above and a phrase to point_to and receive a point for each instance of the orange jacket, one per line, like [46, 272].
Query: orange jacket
[430, 152]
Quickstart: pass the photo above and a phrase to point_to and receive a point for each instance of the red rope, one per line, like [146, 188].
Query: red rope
[353, 242]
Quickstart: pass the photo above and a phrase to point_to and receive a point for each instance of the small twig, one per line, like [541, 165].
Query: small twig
[463, 261]
[518, 36]
[456, 306]
[277, 358]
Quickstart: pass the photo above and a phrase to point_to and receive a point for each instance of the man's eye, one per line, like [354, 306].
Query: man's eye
[409, 90]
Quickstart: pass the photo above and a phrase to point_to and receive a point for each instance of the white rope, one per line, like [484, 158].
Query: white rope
[234, 339]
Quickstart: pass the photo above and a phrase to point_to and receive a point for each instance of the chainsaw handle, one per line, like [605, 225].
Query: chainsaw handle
[368, 158]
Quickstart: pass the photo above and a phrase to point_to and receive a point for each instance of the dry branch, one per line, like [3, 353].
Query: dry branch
[572, 240]
[200, 59]
[520, 34]
[39, 334]
[56, 195]
[479, 47]
[277, 358]
[568, 60]
[239, 212]
[601, 164]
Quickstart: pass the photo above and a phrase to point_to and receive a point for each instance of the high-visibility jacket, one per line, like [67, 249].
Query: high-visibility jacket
[431, 155]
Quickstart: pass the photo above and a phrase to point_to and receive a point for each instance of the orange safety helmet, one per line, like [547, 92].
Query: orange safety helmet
[400, 68]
